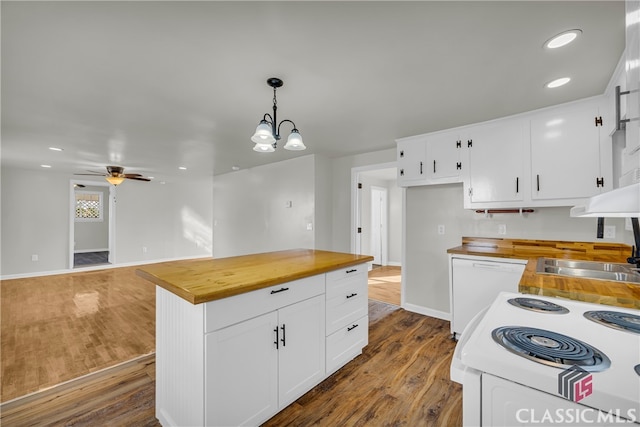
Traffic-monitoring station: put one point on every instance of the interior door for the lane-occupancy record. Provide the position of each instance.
(379, 225)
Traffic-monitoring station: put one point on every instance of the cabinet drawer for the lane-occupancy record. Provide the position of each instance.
(346, 343)
(342, 273)
(228, 311)
(350, 304)
(339, 281)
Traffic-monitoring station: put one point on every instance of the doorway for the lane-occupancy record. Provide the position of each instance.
(91, 224)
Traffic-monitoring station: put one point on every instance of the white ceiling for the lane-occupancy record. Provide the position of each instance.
(156, 85)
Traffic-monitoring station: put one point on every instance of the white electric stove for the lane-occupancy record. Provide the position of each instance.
(532, 360)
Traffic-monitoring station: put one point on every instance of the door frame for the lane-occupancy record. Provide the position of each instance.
(112, 217)
(356, 202)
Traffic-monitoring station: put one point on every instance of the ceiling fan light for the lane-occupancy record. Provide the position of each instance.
(264, 148)
(294, 142)
(263, 134)
(115, 180)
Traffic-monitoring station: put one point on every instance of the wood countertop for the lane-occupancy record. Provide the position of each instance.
(203, 280)
(621, 294)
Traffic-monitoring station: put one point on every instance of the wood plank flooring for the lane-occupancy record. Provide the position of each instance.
(384, 284)
(402, 378)
(56, 328)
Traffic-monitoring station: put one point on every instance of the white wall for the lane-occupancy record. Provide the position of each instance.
(167, 219)
(251, 212)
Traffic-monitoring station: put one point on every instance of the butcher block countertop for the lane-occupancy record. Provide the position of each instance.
(621, 294)
(203, 280)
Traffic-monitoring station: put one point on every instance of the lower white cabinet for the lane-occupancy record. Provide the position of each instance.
(265, 363)
(240, 360)
(347, 319)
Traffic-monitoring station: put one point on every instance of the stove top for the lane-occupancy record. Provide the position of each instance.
(616, 320)
(550, 348)
(540, 305)
(611, 354)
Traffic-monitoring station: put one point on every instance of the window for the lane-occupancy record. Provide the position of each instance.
(89, 206)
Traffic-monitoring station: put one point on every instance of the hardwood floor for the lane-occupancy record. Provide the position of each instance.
(402, 378)
(56, 328)
(384, 284)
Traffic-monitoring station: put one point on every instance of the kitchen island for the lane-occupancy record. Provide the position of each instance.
(240, 338)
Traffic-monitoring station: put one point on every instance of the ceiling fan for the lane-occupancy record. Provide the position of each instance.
(115, 175)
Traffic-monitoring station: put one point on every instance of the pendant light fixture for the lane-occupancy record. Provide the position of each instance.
(267, 133)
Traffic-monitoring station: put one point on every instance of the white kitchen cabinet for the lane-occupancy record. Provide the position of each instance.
(476, 281)
(411, 162)
(347, 315)
(243, 358)
(631, 101)
(497, 175)
(444, 164)
(265, 363)
(566, 153)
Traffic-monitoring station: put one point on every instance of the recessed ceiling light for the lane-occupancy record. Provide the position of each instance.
(56, 149)
(45, 166)
(182, 168)
(562, 39)
(558, 82)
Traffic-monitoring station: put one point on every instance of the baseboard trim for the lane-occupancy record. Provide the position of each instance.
(86, 251)
(96, 267)
(427, 311)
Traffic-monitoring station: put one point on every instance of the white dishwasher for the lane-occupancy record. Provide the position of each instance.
(475, 282)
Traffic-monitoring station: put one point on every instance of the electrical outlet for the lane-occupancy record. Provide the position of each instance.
(440, 229)
(34, 257)
(144, 249)
(502, 228)
(609, 231)
(309, 227)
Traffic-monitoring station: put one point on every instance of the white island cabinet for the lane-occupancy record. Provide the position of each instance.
(240, 359)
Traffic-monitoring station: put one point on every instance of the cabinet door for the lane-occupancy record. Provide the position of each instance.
(632, 100)
(565, 153)
(443, 157)
(301, 363)
(496, 162)
(411, 163)
(241, 372)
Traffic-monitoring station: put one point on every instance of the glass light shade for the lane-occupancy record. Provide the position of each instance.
(264, 134)
(115, 180)
(264, 148)
(294, 142)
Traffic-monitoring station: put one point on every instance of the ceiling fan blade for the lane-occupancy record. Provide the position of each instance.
(91, 174)
(138, 178)
(132, 175)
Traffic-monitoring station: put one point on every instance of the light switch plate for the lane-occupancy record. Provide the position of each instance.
(609, 231)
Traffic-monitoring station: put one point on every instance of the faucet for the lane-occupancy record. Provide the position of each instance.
(635, 250)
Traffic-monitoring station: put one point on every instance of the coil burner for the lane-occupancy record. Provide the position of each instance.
(550, 348)
(616, 320)
(538, 305)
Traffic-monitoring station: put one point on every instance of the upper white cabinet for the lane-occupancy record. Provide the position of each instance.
(631, 158)
(412, 158)
(566, 156)
(496, 165)
(444, 163)
(429, 159)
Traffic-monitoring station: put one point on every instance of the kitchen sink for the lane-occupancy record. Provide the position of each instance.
(589, 269)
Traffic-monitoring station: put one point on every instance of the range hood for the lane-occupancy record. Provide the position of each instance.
(621, 202)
